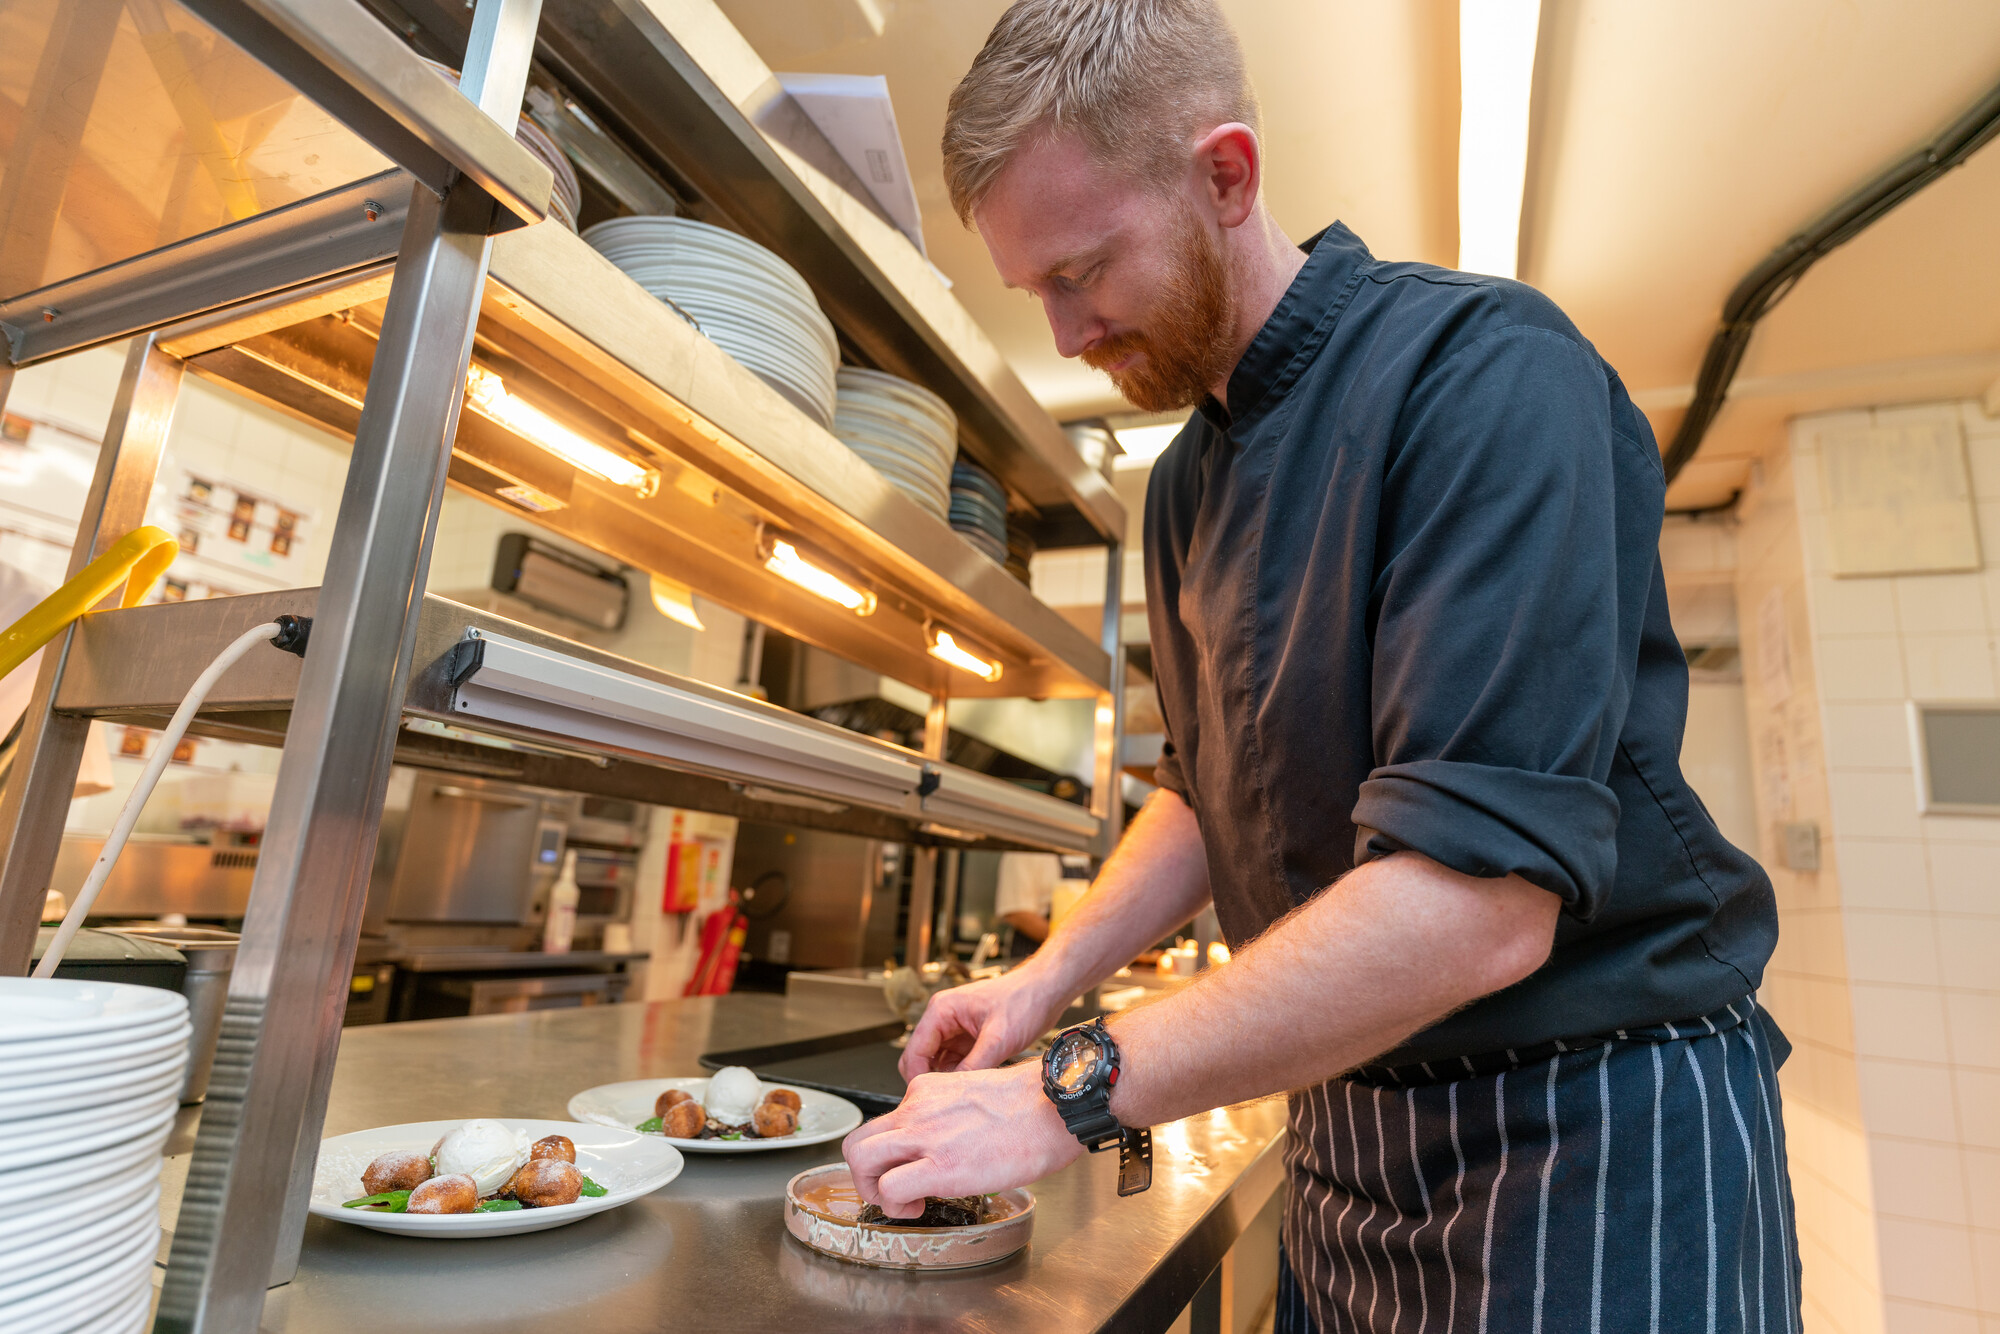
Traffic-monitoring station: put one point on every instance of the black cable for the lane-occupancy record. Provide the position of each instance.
(1767, 284)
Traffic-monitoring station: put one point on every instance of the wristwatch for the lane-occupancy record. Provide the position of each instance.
(1078, 1073)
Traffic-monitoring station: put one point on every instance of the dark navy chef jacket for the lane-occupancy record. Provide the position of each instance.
(1405, 594)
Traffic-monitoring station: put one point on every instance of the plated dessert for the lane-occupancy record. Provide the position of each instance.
(736, 1105)
(733, 1112)
(478, 1167)
(825, 1212)
(485, 1177)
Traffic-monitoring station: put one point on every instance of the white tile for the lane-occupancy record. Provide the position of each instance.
(1921, 1181)
(1946, 667)
(1874, 805)
(1906, 1023)
(1860, 667)
(1909, 1317)
(1926, 1262)
(1969, 953)
(1896, 948)
(1962, 828)
(1914, 1101)
(1974, 1020)
(1986, 1273)
(1982, 455)
(1852, 606)
(1982, 1185)
(1965, 877)
(1868, 736)
(1916, 414)
(1978, 1106)
(1936, 604)
(1882, 873)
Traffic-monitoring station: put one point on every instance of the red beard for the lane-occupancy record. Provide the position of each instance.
(1189, 342)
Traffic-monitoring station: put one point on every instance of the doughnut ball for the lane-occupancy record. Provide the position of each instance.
(784, 1098)
(544, 1182)
(399, 1169)
(553, 1146)
(455, 1194)
(684, 1120)
(774, 1119)
(670, 1099)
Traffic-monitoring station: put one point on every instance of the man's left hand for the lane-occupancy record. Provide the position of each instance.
(967, 1132)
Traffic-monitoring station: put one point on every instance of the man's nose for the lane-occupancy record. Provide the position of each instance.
(1074, 331)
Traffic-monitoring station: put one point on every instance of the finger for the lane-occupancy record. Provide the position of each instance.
(868, 1160)
(868, 1130)
(902, 1189)
(994, 1046)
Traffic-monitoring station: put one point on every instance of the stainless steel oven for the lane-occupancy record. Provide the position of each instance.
(476, 851)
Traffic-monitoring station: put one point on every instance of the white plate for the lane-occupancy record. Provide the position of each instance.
(166, 1022)
(71, 1245)
(822, 1116)
(28, 1191)
(129, 1317)
(87, 1063)
(85, 1297)
(114, 1126)
(51, 1007)
(88, 1201)
(625, 1163)
(32, 1103)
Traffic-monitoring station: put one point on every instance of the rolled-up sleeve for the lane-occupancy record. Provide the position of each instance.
(1501, 664)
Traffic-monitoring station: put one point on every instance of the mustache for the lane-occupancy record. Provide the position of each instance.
(1114, 350)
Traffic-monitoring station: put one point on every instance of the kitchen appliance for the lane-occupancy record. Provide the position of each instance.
(476, 851)
(816, 899)
(211, 957)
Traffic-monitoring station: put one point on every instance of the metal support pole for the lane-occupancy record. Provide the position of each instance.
(35, 800)
(924, 861)
(1205, 1311)
(243, 1216)
(1107, 796)
(949, 871)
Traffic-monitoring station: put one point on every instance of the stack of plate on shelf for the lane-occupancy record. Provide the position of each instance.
(750, 303)
(907, 433)
(1020, 549)
(979, 509)
(567, 196)
(90, 1077)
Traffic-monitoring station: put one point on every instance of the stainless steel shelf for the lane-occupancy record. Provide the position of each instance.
(671, 740)
(680, 86)
(574, 335)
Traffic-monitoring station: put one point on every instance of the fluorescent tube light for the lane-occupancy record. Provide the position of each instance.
(1143, 444)
(1496, 62)
(785, 561)
(675, 601)
(486, 394)
(946, 649)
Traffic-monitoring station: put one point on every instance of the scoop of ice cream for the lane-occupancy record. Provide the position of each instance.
(733, 1095)
(486, 1151)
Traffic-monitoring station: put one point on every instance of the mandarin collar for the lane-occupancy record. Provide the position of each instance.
(1301, 319)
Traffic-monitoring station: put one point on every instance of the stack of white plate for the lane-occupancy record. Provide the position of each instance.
(567, 197)
(90, 1077)
(906, 432)
(750, 303)
(978, 510)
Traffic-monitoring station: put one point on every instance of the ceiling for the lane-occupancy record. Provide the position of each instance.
(1672, 148)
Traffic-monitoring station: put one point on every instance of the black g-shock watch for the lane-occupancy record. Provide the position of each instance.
(1078, 1073)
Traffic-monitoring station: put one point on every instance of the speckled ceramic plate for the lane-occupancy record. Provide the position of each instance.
(824, 1225)
(822, 1116)
(626, 1164)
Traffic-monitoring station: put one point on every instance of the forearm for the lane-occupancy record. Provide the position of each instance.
(1156, 881)
(1390, 949)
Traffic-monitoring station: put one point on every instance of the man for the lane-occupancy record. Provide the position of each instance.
(1425, 706)
(1025, 894)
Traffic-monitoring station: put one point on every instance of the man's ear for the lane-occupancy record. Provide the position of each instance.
(1229, 169)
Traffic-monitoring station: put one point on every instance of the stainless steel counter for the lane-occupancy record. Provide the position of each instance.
(710, 1251)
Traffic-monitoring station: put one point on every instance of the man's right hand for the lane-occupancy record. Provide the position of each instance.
(981, 1024)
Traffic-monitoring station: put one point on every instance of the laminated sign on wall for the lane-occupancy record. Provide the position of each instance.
(1899, 500)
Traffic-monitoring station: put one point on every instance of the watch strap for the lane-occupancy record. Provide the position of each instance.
(1092, 1123)
(1135, 1161)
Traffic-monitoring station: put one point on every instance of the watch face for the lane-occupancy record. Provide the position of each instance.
(1075, 1057)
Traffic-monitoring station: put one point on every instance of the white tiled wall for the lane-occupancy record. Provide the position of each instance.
(1889, 970)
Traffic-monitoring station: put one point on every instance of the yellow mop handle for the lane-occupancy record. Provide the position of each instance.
(143, 554)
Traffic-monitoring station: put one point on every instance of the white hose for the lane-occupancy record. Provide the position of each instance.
(121, 830)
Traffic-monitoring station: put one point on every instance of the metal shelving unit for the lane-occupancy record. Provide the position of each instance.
(357, 306)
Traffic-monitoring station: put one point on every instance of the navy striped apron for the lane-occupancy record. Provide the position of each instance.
(1635, 1182)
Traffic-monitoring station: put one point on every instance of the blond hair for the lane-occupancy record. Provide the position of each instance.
(1136, 80)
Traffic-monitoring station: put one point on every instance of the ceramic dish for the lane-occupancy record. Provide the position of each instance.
(106, 1059)
(87, 1293)
(30, 1101)
(43, 1188)
(819, 1205)
(33, 1009)
(119, 1125)
(626, 1163)
(96, 1199)
(71, 1253)
(822, 1116)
